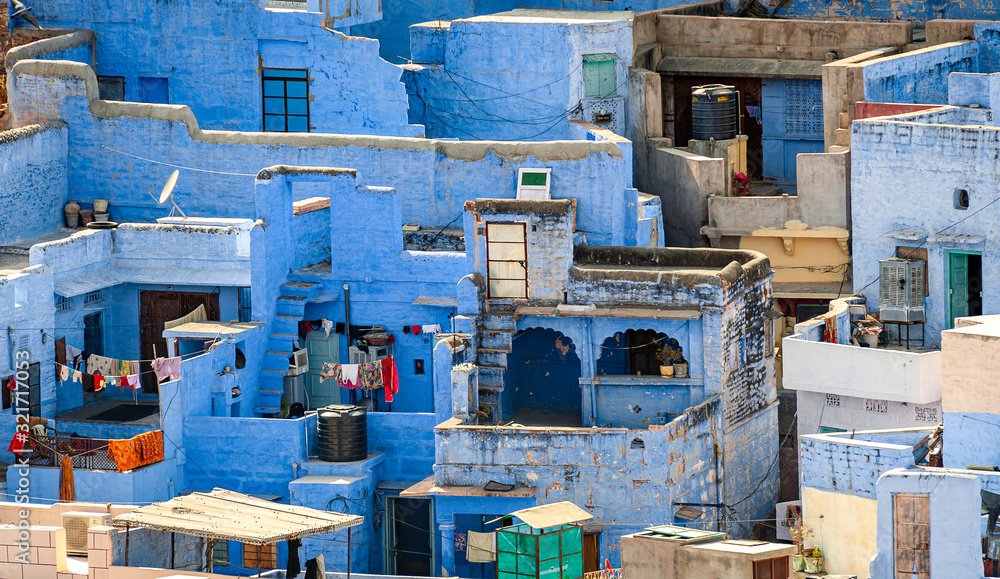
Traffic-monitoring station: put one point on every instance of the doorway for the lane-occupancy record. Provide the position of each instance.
(321, 349)
(157, 307)
(507, 260)
(965, 285)
(542, 379)
(409, 548)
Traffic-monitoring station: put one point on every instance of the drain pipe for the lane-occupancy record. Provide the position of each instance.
(592, 368)
(347, 326)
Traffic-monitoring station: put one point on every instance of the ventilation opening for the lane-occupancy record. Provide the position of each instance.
(961, 199)
(638, 444)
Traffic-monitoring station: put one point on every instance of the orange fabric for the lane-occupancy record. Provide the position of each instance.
(146, 448)
(67, 488)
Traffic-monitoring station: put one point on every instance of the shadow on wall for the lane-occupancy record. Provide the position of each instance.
(543, 371)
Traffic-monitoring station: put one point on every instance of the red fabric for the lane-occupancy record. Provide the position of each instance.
(10, 383)
(390, 377)
(18, 443)
(99, 382)
(415, 330)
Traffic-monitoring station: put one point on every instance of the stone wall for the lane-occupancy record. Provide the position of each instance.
(837, 462)
(33, 164)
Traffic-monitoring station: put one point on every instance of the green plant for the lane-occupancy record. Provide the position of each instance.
(667, 355)
(800, 532)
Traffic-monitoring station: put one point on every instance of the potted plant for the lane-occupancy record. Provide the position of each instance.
(680, 366)
(814, 561)
(799, 532)
(868, 331)
(667, 356)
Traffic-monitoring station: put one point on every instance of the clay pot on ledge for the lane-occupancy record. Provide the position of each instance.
(667, 371)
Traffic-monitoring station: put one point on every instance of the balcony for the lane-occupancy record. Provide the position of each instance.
(898, 375)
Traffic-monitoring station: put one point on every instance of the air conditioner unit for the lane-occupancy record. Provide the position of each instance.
(76, 524)
(901, 290)
(298, 362)
(534, 184)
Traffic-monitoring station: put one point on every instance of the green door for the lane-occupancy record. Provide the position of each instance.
(958, 286)
(322, 349)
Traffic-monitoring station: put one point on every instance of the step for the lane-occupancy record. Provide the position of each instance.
(286, 324)
(493, 350)
(506, 323)
(291, 307)
(842, 137)
(303, 289)
(277, 361)
(282, 341)
(844, 120)
(491, 358)
(271, 392)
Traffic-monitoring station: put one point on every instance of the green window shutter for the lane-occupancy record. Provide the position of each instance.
(534, 179)
(599, 75)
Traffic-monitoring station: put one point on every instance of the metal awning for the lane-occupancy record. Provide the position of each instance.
(553, 515)
(228, 515)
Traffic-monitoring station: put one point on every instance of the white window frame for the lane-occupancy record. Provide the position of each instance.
(534, 192)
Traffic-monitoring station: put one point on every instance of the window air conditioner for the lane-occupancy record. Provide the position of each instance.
(298, 362)
(76, 524)
(534, 184)
(901, 290)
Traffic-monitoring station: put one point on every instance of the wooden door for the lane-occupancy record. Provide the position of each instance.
(322, 349)
(507, 260)
(591, 552)
(157, 307)
(912, 536)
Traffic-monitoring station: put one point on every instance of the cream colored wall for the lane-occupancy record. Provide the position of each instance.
(970, 369)
(844, 527)
(817, 252)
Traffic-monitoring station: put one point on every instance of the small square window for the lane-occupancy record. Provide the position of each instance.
(220, 553)
(111, 88)
(961, 199)
(418, 367)
(92, 297)
(285, 94)
(63, 304)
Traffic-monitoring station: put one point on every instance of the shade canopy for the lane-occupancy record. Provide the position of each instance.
(552, 515)
(227, 515)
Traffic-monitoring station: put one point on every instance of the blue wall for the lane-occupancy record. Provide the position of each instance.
(33, 165)
(918, 77)
(208, 54)
(542, 376)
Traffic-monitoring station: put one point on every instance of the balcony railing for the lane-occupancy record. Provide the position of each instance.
(87, 453)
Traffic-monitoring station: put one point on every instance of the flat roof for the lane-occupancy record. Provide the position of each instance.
(542, 16)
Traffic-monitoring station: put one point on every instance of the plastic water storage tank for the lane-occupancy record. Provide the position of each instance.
(343, 433)
(714, 112)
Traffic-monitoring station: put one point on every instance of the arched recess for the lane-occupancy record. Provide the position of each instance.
(543, 374)
(633, 352)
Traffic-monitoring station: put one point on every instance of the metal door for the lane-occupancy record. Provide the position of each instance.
(322, 349)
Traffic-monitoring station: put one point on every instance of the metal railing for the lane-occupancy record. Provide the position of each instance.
(604, 574)
(87, 453)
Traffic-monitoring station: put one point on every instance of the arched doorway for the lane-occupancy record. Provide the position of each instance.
(542, 380)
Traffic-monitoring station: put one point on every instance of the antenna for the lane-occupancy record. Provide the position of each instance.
(168, 195)
(22, 11)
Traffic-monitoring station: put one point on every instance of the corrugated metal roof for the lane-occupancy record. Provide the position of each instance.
(223, 514)
(553, 515)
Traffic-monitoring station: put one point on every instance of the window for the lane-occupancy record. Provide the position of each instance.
(830, 430)
(418, 367)
(776, 568)
(286, 100)
(220, 554)
(599, 76)
(961, 199)
(245, 310)
(507, 260)
(93, 297)
(533, 184)
(111, 88)
(63, 304)
(154, 89)
(260, 556)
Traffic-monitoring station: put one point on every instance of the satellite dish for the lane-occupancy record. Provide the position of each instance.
(168, 194)
(20, 10)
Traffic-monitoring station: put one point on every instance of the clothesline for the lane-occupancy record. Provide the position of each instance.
(187, 355)
(381, 373)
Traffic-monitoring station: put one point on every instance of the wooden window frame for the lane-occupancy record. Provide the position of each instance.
(489, 278)
(260, 556)
(778, 566)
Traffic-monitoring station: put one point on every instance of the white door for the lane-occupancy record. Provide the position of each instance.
(507, 260)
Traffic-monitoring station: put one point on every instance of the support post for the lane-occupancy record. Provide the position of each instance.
(348, 553)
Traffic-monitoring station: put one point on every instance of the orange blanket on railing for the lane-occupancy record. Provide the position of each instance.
(146, 448)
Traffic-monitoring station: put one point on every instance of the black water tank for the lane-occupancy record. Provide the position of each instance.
(714, 112)
(343, 433)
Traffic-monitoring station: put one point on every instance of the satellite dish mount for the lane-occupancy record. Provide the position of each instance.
(168, 195)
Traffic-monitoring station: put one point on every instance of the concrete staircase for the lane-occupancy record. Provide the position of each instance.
(292, 301)
(496, 333)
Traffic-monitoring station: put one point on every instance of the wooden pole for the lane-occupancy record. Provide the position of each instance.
(348, 553)
(172, 536)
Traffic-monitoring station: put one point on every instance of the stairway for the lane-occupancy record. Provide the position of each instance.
(496, 333)
(292, 299)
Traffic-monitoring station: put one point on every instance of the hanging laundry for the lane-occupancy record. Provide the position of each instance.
(77, 376)
(294, 567)
(132, 381)
(197, 315)
(316, 568)
(415, 330)
(61, 351)
(340, 328)
(431, 328)
(349, 375)
(390, 377)
(18, 443)
(63, 373)
(10, 384)
(74, 356)
(327, 326)
(5, 396)
(99, 381)
(481, 547)
(67, 488)
(97, 364)
(371, 376)
(88, 382)
(167, 368)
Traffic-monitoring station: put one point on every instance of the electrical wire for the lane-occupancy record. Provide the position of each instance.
(174, 166)
(777, 455)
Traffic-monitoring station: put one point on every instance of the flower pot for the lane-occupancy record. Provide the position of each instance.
(101, 216)
(814, 564)
(681, 370)
(100, 205)
(870, 339)
(798, 562)
(72, 219)
(667, 371)
(86, 216)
